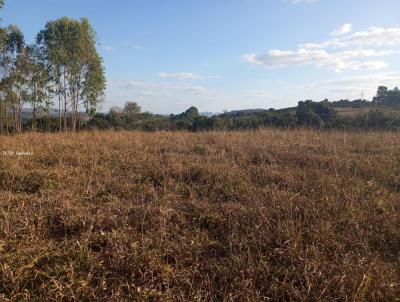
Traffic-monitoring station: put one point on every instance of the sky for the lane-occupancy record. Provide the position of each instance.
(168, 55)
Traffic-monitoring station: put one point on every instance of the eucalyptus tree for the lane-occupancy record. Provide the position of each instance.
(11, 93)
(37, 80)
(69, 47)
(92, 93)
(19, 81)
(53, 43)
(11, 46)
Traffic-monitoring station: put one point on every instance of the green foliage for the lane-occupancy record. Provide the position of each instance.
(191, 113)
(63, 64)
(316, 115)
(38, 88)
(69, 49)
(13, 78)
(132, 108)
(14, 40)
(351, 104)
(308, 114)
(384, 96)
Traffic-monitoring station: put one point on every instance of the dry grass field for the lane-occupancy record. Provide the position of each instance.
(241, 216)
(353, 112)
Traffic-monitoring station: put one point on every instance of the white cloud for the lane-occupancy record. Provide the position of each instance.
(122, 45)
(337, 61)
(258, 94)
(146, 93)
(185, 76)
(345, 29)
(373, 36)
(108, 48)
(390, 79)
(326, 54)
(213, 77)
(180, 76)
(340, 66)
(282, 58)
(145, 87)
(140, 84)
(302, 1)
(377, 36)
(350, 87)
(334, 43)
(191, 89)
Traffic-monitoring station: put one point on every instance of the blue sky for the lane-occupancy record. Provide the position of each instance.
(232, 54)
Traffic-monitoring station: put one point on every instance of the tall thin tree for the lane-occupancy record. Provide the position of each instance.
(69, 47)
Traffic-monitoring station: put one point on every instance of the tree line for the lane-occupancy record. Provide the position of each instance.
(308, 114)
(61, 69)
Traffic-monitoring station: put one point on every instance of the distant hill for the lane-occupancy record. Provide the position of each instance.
(26, 113)
(258, 111)
(350, 110)
(246, 112)
(208, 114)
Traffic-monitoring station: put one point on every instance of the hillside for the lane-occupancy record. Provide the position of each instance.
(352, 111)
(217, 216)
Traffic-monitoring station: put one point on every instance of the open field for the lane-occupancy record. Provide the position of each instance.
(352, 112)
(239, 216)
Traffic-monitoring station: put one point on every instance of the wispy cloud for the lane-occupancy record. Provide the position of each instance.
(128, 44)
(352, 86)
(337, 61)
(378, 36)
(327, 55)
(131, 44)
(108, 48)
(185, 76)
(390, 79)
(372, 36)
(258, 94)
(180, 75)
(140, 84)
(149, 86)
(345, 29)
(191, 89)
(302, 1)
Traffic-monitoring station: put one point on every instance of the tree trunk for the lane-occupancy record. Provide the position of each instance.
(6, 115)
(76, 106)
(1, 119)
(59, 112)
(20, 118)
(65, 115)
(19, 109)
(65, 105)
(34, 116)
(34, 110)
(74, 101)
(14, 118)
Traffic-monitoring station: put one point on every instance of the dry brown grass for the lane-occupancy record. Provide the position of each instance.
(241, 216)
(353, 112)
